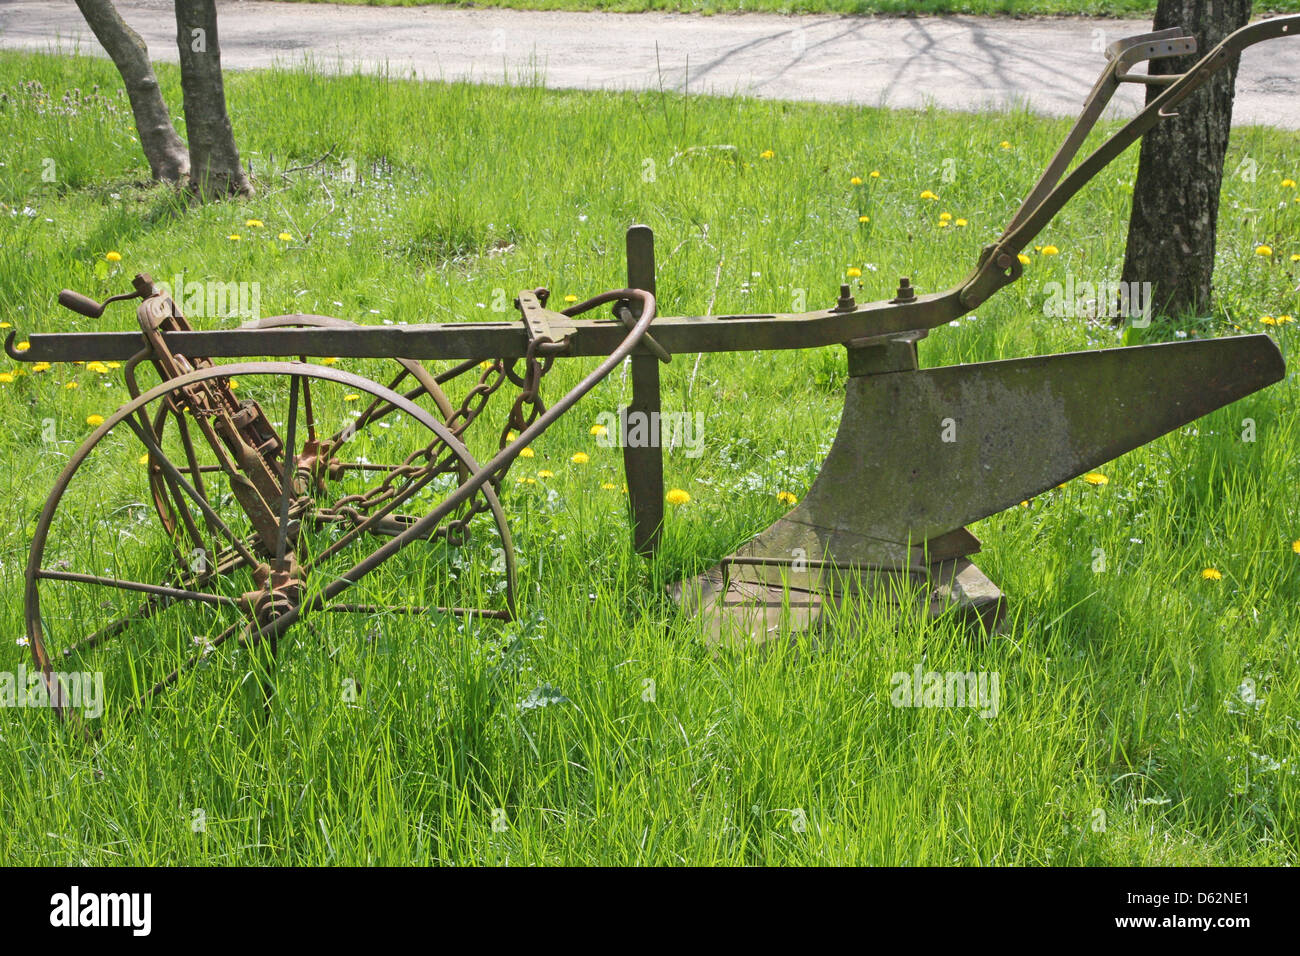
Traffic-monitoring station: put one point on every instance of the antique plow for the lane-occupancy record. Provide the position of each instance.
(269, 504)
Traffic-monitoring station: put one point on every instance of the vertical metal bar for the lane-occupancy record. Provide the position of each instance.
(643, 466)
(290, 453)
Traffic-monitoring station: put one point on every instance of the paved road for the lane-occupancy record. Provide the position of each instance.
(955, 62)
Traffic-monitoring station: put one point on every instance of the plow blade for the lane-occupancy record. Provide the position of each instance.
(921, 453)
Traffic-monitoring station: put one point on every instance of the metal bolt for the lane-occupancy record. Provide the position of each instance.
(846, 301)
(905, 291)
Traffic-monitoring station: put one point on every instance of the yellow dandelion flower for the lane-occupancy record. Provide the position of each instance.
(962, 222)
(71, 385)
(1212, 574)
(1004, 145)
(234, 384)
(97, 367)
(94, 421)
(143, 459)
(570, 298)
(233, 237)
(1295, 546)
(945, 216)
(766, 154)
(1267, 320)
(113, 256)
(599, 430)
(4, 325)
(926, 194)
(1295, 257)
(1096, 478)
(944, 224)
(855, 181)
(864, 219)
(853, 272)
(546, 473)
(254, 223)
(786, 498)
(112, 365)
(1284, 319)
(526, 453)
(23, 346)
(285, 237)
(329, 361)
(581, 458)
(1024, 504)
(1050, 250)
(41, 367)
(1264, 251)
(1288, 184)
(1024, 259)
(608, 486)
(526, 481)
(874, 174)
(6, 378)
(351, 397)
(677, 497)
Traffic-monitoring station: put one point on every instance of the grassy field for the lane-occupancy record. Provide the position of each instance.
(1148, 713)
(1013, 8)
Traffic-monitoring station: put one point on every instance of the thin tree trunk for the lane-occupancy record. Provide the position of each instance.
(1171, 235)
(168, 159)
(215, 170)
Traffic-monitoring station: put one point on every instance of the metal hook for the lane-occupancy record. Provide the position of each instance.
(12, 352)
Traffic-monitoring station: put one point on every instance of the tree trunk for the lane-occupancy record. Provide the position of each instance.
(168, 159)
(215, 170)
(1171, 233)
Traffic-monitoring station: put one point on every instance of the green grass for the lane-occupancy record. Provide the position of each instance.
(1120, 690)
(1014, 8)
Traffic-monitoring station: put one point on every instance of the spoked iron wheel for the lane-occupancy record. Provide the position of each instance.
(160, 542)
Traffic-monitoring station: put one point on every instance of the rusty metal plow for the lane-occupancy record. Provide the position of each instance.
(269, 504)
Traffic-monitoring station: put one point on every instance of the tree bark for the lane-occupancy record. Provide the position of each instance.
(163, 149)
(1171, 235)
(215, 170)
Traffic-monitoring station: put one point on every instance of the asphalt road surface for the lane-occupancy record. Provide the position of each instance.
(955, 62)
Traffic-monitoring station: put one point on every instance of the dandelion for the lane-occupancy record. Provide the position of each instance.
(1284, 319)
(1295, 257)
(766, 154)
(1212, 574)
(944, 224)
(23, 346)
(526, 453)
(71, 385)
(855, 181)
(874, 174)
(599, 431)
(961, 222)
(143, 459)
(1024, 504)
(677, 497)
(254, 223)
(526, 481)
(853, 272)
(233, 237)
(41, 367)
(1267, 320)
(351, 397)
(1295, 546)
(329, 361)
(546, 473)
(94, 421)
(234, 384)
(1050, 250)
(1024, 259)
(1096, 478)
(786, 498)
(1004, 145)
(1288, 184)
(285, 237)
(4, 325)
(868, 219)
(570, 298)
(581, 458)
(98, 367)
(945, 216)
(112, 365)
(6, 378)
(926, 194)
(1264, 251)
(608, 486)
(113, 256)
